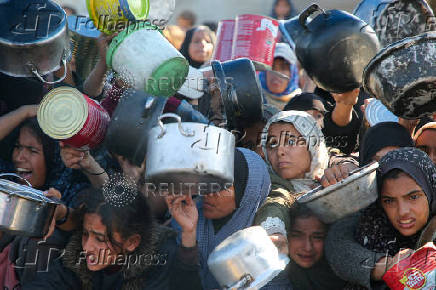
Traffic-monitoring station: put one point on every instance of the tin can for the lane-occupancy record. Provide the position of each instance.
(223, 48)
(68, 115)
(255, 37)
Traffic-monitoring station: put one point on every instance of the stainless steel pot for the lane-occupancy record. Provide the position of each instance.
(189, 157)
(33, 39)
(348, 196)
(248, 259)
(23, 210)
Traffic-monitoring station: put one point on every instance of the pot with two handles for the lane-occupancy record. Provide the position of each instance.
(334, 47)
(33, 40)
(189, 157)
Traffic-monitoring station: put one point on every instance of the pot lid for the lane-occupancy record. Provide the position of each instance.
(30, 21)
(25, 191)
(376, 112)
(62, 113)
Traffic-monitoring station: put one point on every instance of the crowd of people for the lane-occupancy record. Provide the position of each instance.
(164, 241)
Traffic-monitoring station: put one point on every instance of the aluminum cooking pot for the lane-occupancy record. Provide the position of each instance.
(394, 20)
(136, 113)
(240, 91)
(189, 157)
(403, 76)
(348, 196)
(33, 39)
(23, 210)
(248, 259)
(334, 47)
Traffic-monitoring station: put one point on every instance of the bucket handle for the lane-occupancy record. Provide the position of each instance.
(186, 133)
(16, 175)
(34, 70)
(307, 12)
(242, 283)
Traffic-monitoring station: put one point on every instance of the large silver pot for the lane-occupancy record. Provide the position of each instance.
(33, 39)
(23, 210)
(189, 157)
(348, 196)
(248, 259)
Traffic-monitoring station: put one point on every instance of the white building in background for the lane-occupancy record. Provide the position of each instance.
(208, 10)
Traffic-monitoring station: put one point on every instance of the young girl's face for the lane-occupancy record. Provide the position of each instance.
(405, 204)
(100, 252)
(306, 241)
(28, 158)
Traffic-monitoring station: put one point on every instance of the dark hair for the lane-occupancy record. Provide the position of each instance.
(188, 15)
(134, 218)
(392, 174)
(48, 144)
(301, 211)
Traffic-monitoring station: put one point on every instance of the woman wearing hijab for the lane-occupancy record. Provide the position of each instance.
(294, 149)
(277, 90)
(225, 212)
(406, 180)
(283, 10)
(198, 46)
(382, 138)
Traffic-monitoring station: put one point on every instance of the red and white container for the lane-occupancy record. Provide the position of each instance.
(224, 43)
(255, 37)
(68, 115)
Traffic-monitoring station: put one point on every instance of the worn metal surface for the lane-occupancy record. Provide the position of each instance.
(394, 20)
(345, 197)
(403, 76)
(248, 253)
(190, 157)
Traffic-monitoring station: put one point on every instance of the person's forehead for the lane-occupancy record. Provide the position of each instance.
(27, 137)
(427, 137)
(308, 225)
(278, 128)
(400, 186)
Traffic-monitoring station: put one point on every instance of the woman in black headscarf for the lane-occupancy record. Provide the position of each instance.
(283, 10)
(382, 138)
(198, 45)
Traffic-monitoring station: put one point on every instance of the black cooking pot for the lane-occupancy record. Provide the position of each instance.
(131, 121)
(334, 47)
(394, 20)
(240, 91)
(403, 76)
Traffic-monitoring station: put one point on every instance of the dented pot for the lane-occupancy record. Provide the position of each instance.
(403, 76)
(189, 157)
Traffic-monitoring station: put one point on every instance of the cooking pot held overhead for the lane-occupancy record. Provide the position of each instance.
(334, 47)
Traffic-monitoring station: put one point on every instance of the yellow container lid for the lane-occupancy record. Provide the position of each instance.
(62, 113)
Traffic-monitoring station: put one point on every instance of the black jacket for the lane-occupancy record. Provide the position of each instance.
(167, 266)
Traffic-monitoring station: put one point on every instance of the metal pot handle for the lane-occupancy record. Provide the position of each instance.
(16, 175)
(186, 133)
(307, 12)
(243, 283)
(36, 73)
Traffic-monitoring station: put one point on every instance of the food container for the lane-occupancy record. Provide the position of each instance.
(248, 259)
(34, 45)
(23, 210)
(190, 157)
(146, 58)
(348, 196)
(68, 115)
(403, 76)
(109, 15)
(255, 37)
(224, 42)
